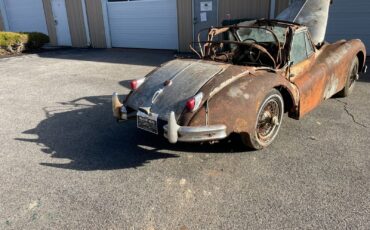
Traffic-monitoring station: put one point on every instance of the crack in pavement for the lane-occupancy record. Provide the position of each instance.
(350, 114)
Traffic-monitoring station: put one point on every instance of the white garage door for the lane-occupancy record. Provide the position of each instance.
(26, 16)
(148, 24)
(349, 19)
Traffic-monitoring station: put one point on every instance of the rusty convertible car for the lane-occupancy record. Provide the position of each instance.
(247, 76)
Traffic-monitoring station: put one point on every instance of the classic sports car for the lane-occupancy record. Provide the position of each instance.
(247, 76)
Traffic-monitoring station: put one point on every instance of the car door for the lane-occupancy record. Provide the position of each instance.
(305, 73)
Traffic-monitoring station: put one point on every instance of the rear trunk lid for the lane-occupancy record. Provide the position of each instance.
(186, 76)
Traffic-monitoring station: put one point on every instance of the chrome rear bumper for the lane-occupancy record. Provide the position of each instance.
(175, 133)
(172, 131)
(119, 110)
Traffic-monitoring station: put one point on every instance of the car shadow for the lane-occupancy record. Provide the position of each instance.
(126, 84)
(365, 77)
(84, 132)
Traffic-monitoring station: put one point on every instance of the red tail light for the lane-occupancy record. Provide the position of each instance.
(194, 103)
(135, 84)
(190, 104)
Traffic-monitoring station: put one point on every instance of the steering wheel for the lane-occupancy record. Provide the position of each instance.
(254, 53)
(250, 39)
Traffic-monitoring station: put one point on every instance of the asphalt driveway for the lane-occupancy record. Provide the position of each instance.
(66, 164)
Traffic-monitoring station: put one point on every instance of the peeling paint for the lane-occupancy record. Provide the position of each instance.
(331, 87)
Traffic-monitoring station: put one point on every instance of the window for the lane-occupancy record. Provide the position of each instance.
(298, 51)
(309, 46)
(262, 34)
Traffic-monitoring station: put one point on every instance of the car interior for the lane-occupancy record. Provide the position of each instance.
(257, 44)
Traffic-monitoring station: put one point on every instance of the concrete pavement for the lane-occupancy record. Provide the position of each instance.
(66, 164)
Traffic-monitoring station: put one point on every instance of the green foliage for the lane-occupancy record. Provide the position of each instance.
(10, 39)
(36, 40)
(33, 40)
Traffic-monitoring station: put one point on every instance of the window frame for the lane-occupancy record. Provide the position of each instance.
(306, 36)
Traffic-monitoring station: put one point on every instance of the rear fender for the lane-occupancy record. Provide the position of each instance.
(237, 104)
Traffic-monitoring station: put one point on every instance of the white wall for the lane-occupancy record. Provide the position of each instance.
(348, 20)
(25, 16)
(144, 24)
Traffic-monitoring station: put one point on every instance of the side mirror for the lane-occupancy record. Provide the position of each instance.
(290, 63)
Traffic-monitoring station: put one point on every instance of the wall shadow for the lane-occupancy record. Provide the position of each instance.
(143, 57)
(84, 133)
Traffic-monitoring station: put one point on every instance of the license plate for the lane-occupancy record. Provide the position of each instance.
(147, 122)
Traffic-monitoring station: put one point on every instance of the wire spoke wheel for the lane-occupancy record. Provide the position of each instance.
(354, 74)
(268, 121)
(352, 77)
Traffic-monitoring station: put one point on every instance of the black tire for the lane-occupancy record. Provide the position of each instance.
(351, 79)
(268, 122)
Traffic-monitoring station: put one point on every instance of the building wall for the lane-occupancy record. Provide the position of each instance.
(1, 23)
(185, 24)
(76, 23)
(50, 22)
(238, 9)
(96, 23)
(281, 5)
(234, 8)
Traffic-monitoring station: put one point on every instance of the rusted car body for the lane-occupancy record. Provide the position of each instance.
(246, 77)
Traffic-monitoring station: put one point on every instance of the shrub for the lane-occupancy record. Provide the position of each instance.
(11, 39)
(36, 40)
(17, 42)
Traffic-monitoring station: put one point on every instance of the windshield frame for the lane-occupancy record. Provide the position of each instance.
(237, 35)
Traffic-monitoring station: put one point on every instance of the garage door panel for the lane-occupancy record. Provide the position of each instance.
(344, 6)
(336, 37)
(347, 20)
(26, 16)
(144, 24)
(346, 25)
